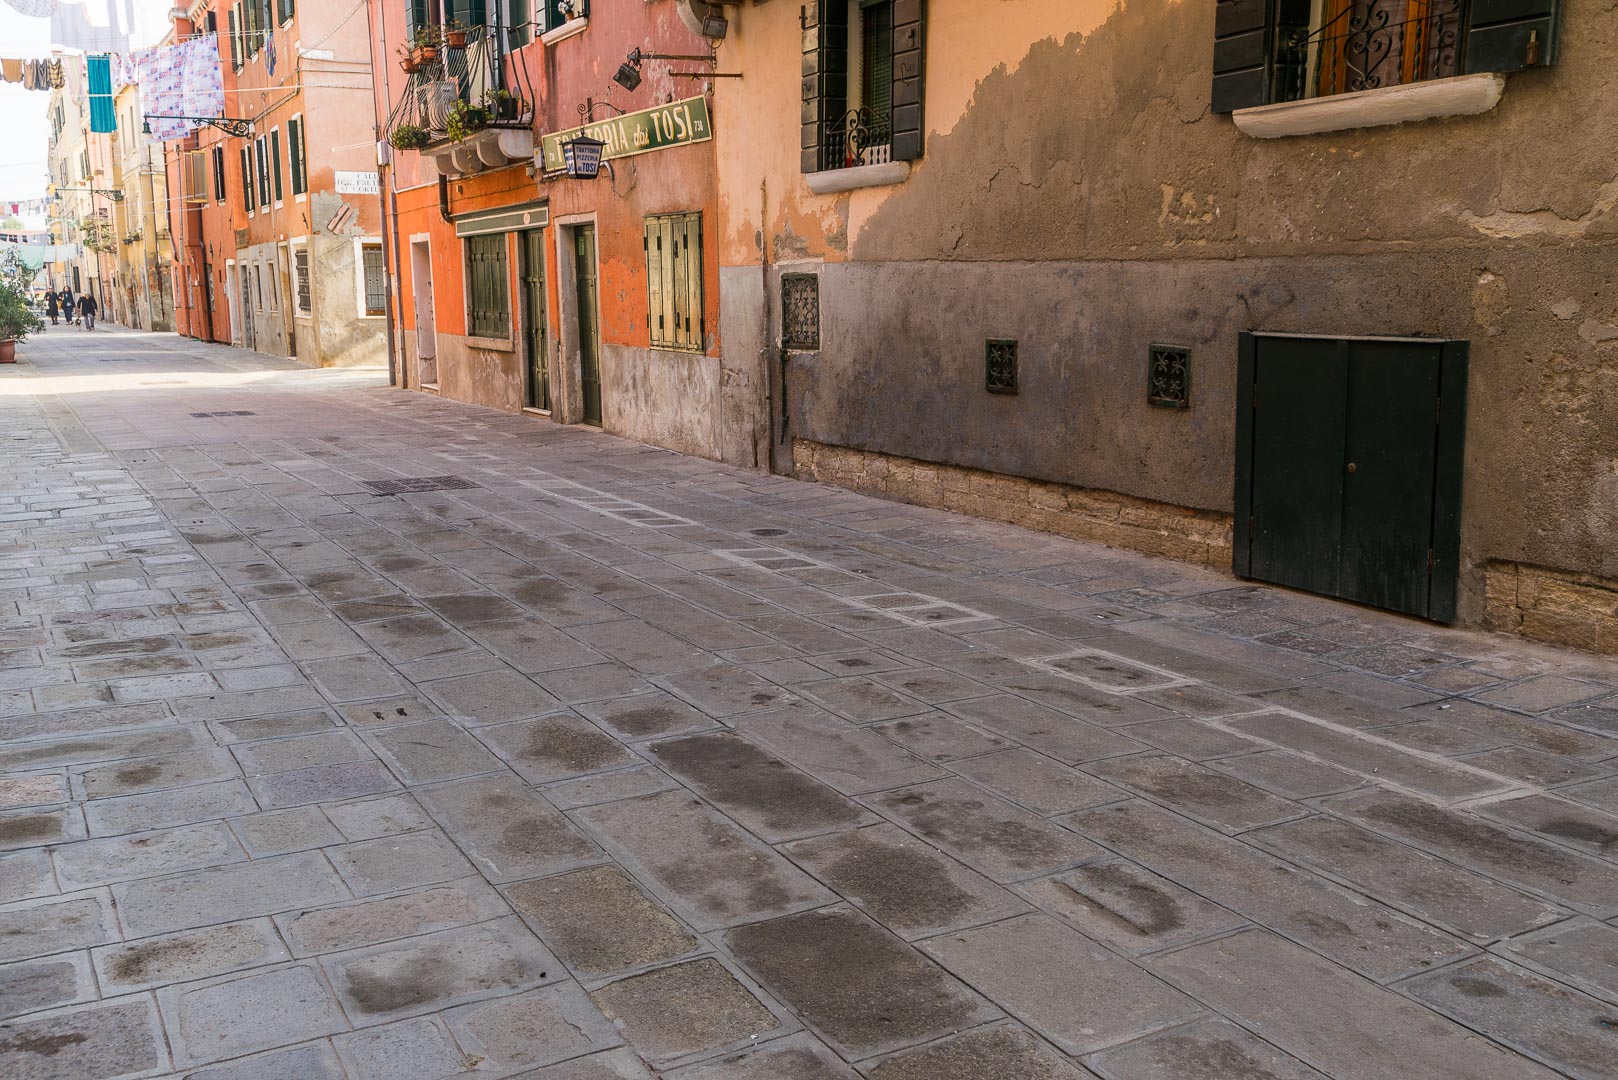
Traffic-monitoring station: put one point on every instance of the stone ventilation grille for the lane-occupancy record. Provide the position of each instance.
(1000, 367)
(1169, 377)
(418, 483)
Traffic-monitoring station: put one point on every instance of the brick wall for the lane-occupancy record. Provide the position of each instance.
(1174, 532)
(1551, 605)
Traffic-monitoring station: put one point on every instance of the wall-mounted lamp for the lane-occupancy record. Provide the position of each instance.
(230, 125)
(629, 76)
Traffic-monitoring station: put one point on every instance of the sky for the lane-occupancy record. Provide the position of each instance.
(24, 130)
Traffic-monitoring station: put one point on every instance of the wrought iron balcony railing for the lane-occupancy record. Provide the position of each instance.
(859, 138)
(460, 90)
(1366, 44)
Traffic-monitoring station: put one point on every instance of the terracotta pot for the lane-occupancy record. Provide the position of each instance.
(455, 39)
(8, 352)
(408, 63)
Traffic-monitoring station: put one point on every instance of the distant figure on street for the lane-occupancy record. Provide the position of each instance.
(87, 309)
(70, 311)
(51, 307)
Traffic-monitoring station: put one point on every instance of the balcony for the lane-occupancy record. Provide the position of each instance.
(456, 109)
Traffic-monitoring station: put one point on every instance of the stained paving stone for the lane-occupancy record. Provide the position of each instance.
(1580, 952)
(1004, 1052)
(862, 989)
(851, 759)
(1326, 1016)
(909, 887)
(1064, 986)
(25, 874)
(187, 955)
(1063, 737)
(239, 1014)
(392, 863)
(32, 790)
(1127, 906)
(1575, 879)
(1098, 707)
(608, 787)
(1362, 935)
(762, 792)
(395, 710)
(56, 923)
(280, 832)
(1040, 784)
(313, 1062)
(599, 921)
(508, 829)
(1543, 693)
(1558, 819)
(120, 858)
(541, 1027)
(35, 985)
(592, 683)
(1511, 727)
(371, 922)
(490, 697)
(1197, 790)
(321, 783)
(1436, 891)
(170, 807)
(301, 752)
(1206, 1050)
(36, 827)
(272, 727)
(223, 893)
(435, 750)
(112, 1040)
(999, 839)
(51, 753)
(1289, 775)
(555, 747)
(1533, 767)
(937, 737)
(435, 971)
(418, 1047)
(726, 690)
(1199, 701)
(862, 700)
(677, 1012)
(645, 716)
(1561, 1027)
(1597, 716)
(709, 871)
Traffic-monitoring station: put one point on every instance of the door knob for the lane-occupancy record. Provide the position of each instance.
(1352, 468)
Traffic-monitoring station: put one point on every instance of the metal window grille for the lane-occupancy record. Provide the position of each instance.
(490, 291)
(800, 311)
(376, 284)
(300, 270)
(1000, 366)
(1169, 376)
(674, 311)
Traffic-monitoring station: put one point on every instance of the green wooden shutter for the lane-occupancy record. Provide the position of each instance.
(235, 40)
(295, 154)
(1259, 52)
(275, 157)
(674, 295)
(247, 180)
(1509, 35)
(825, 81)
(909, 42)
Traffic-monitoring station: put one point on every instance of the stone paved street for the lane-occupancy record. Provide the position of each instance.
(595, 762)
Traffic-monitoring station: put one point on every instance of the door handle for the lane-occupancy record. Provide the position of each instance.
(1352, 468)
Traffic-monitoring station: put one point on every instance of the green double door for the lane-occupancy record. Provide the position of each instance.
(538, 378)
(1348, 470)
(584, 275)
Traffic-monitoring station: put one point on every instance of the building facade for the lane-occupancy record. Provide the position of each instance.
(83, 190)
(143, 298)
(582, 301)
(272, 255)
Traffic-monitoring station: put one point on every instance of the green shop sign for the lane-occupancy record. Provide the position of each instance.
(674, 124)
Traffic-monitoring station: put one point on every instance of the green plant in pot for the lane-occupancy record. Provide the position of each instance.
(454, 35)
(17, 318)
(501, 105)
(466, 120)
(409, 137)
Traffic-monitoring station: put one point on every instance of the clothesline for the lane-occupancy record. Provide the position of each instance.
(33, 74)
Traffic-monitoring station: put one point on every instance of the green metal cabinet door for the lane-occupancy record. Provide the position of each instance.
(1348, 468)
(584, 272)
(533, 314)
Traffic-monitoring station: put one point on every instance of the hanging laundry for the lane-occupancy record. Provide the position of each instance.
(126, 68)
(98, 71)
(269, 50)
(34, 9)
(95, 26)
(11, 70)
(181, 80)
(56, 75)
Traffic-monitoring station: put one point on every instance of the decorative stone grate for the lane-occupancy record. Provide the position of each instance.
(418, 483)
(800, 311)
(1169, 377)
(1000, 366)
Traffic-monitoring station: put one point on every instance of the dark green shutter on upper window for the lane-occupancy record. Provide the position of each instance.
(275, 157)
(674, 304)
(284, 9)
(247, 180)
(825, 81)
(235, 40)
(1509, 35)
(1245, 36)
(295, 155)
(909, 47)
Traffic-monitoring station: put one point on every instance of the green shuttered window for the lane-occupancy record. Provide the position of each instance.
(295, 159)
(488, 286)
(674, 313)
(247, 180)
(862, 82)
(275, 159)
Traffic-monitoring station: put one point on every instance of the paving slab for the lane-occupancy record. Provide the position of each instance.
(507, 829)
(762, 792)
(240, 1014)
(187, 955)
(599, 921)
(402, 861)
(1580, 952)
(38, 826)
(119, 1039)
(685, 1010)
(30, 986)
(1004, 1052)
(555, 747)
(540, 1027)
(54, 924)
(316, 1061)
(121, 858)
(224, 893)
(851, 759)
(416, 1047)
(795, 1057)
(370, 922)
(1066, 738)
(1197, 791)
(1206, 1050)
(280, 832)
(1559, 820)
(1340, 1023)
(1038, 783)
(860, 988)
(1127, 906)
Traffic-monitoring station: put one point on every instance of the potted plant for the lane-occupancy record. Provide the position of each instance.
(454, 35)
(465, 120)
(500, 105)
(408, 63)
(409, 137)
(424, 49)
(17, 318)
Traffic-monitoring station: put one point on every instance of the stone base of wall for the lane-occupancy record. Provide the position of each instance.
(1175, 532)
(1556, 606)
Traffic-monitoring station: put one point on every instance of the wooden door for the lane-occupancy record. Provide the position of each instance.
(537, 368)
(584, 273)
(1349, 468)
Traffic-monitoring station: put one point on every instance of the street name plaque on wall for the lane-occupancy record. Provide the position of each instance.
(674, 124)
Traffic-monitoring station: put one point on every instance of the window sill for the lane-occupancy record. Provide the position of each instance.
(833, 181)
(1463, 95)
(430, 387)
(565, 31)
(531, 411)
(497, 344)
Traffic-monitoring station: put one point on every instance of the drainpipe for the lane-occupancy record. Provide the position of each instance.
(388, 206)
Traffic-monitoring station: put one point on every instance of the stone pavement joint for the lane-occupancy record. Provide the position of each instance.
(572, 759)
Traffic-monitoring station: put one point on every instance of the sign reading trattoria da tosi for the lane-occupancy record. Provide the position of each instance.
(674, 124)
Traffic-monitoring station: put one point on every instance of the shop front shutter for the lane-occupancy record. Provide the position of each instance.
(909, 79)
(825, 80)
(1510, 35)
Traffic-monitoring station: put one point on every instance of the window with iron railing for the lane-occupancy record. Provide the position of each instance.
(374, 279)
(300, 275)
(862, 83)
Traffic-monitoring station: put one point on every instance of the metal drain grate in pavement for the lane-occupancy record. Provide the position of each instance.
(226, 412)
(767, 532)
(418, 483)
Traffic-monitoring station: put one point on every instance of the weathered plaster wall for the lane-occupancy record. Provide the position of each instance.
(1082, 199)
(668, 399)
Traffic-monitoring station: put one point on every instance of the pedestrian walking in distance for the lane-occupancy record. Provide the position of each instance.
(51, 307)
(87, 309)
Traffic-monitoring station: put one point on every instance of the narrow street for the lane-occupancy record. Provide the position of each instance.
(348, 732)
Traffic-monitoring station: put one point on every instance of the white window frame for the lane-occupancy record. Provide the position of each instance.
(360, 244)
(294, 246)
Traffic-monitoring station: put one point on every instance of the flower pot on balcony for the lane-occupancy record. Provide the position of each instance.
(455, 39)
(408, 63)
(424, 54)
